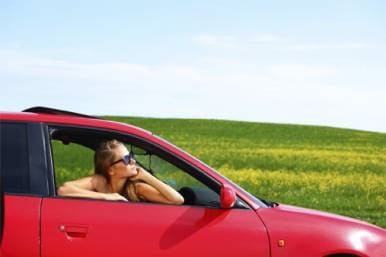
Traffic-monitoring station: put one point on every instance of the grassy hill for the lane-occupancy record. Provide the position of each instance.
(336, 170)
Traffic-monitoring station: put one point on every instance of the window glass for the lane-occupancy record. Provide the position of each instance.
(171, 174)
(14, 157)
(164, 170)
(193, 190)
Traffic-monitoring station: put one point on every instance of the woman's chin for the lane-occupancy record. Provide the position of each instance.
(132, 173)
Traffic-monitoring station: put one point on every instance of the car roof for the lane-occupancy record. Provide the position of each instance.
(49, 110)
(55, 116)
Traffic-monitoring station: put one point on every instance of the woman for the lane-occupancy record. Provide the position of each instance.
(117, 177)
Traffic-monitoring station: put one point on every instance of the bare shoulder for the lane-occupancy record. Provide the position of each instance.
(98, 178)
(98, 182)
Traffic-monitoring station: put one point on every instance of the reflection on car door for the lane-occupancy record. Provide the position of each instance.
(72, 227)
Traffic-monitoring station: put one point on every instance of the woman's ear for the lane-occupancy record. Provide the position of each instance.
(111, 172)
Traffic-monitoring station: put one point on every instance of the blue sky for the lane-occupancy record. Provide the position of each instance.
(303, 62)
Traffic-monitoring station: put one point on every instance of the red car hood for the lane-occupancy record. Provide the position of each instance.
(319, 214)
(320, 232)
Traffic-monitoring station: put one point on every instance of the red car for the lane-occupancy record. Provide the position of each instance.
(218, 218)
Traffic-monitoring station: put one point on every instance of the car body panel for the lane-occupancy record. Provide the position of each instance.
(21, 235)
(308, 233)
(103, 228)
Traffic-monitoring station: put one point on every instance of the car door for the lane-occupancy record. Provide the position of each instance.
(23, 169)
(72, 227)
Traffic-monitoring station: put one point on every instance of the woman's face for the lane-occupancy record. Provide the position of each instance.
(119, 169)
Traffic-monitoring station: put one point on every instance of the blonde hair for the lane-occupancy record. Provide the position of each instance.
(103, 158)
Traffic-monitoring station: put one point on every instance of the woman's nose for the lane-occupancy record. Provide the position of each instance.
(132, 161)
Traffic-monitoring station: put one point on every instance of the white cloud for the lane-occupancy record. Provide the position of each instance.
(271, 41)
(206, 40)
(212, 40)
(107, 71)
(300, 72)
(264, 38)
(228, 41)
(331, 46)
(290, 93)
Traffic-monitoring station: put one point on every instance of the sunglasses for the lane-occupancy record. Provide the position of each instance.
(126, 159)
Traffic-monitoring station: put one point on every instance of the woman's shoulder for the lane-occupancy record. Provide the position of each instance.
(98, 177)
(99, 182)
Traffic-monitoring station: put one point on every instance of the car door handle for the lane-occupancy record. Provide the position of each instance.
(78, 231)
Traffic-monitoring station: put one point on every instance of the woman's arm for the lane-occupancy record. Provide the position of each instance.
(154, 190)
(86, 187)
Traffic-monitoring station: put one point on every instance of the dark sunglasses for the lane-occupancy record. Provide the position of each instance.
(126, 159)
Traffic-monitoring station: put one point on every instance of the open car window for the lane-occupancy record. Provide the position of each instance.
(73, 152)
(71, 161)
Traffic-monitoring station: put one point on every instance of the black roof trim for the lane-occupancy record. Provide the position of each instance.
(47, 110)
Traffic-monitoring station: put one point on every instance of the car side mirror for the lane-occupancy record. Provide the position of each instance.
(227, 197)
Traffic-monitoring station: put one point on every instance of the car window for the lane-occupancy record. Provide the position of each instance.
(166, 171)
(14, 158)
(22, 158)
(194, 191)
(73, 161)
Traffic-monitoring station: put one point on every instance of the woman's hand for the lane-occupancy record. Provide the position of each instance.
(142, 175)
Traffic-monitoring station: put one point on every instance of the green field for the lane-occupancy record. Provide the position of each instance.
(336, 170)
